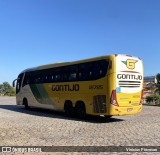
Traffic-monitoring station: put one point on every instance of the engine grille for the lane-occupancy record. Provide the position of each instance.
(99, 104)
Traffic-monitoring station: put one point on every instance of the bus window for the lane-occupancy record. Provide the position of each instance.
(93, 70)
(50, 77)
(102, 68)
(27, 79)
(82, 72)
(37, 78)
(45, 74)
(72, 76)
(57, 75)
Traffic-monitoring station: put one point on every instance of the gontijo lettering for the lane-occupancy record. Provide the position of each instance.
(129, 76)
(74, 87)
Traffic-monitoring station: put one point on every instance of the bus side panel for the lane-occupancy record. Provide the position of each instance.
(36, 96)
(86, 92)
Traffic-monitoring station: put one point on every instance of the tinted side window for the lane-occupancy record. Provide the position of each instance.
(64, 74)
(58, 75)
(79, 72)
(87, 71)
(102, 68)
(27, 79)
(37, 77)
(93, 70)
(49, 76)
(73, 73)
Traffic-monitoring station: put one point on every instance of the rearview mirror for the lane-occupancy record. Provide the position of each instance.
(13, 84)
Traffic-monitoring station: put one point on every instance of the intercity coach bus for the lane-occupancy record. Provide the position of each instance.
(107, 85)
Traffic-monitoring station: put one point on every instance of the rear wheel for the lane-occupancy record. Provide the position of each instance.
(68, 108)
(25, 103)
(80, 110)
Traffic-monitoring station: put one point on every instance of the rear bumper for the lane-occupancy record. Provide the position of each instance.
(125, 110)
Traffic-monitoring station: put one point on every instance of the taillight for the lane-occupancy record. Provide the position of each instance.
(141, 100)
(113, 99)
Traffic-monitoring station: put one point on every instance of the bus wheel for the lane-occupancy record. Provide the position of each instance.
(80, 110)
(68, 108)
(25, 103)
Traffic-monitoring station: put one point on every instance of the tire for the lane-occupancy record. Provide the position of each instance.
(80, 110)
(25, 103)
(68, 108)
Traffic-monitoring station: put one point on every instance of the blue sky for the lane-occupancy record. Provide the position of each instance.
(36, 32)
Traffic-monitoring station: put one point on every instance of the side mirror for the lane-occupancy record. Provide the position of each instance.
(13, 84)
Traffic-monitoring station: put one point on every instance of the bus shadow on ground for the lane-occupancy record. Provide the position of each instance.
(59, 115)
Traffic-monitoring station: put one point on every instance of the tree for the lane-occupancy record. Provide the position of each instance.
(13, 92)
(149, 99)
(154, 88)
(7, 89)
(153, 98)
(1, 86)
(157, 83)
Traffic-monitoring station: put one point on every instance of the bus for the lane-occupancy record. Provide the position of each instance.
(109, 85)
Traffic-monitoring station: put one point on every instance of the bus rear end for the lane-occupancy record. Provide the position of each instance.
(126, 96)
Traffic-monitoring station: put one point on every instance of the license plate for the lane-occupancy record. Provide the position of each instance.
(129, 109)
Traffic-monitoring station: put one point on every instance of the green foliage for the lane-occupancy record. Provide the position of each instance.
(158, 83)
(7, 90)
(13, 92)
(153, 98)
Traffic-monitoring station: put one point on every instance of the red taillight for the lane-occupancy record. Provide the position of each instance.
(141, 100)
(114, 98)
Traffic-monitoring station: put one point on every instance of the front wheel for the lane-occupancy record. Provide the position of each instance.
(25, 103)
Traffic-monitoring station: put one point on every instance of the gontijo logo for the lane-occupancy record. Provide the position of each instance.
(130, 63)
